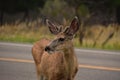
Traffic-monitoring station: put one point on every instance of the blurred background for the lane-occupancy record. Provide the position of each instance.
(24, 21)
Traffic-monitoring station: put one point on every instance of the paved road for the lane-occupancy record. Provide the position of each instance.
(16, 63)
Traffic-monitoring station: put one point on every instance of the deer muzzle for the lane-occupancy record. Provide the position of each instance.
(49, 49)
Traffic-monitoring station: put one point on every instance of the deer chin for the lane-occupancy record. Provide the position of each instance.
(54, 51)
(51, 51)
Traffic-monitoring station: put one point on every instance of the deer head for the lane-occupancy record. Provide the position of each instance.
(63, 39)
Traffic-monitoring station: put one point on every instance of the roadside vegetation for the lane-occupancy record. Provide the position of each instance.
(94, 37)
(24, 21)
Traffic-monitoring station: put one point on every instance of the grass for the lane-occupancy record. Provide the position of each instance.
(21, 33)
(12, 33)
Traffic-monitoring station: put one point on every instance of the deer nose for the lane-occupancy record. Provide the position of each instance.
(47, 48)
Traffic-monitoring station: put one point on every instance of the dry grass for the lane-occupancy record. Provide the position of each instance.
(93, 32)
(23, 34)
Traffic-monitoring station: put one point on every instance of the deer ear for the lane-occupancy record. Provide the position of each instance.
(53, 28)
(74, 27)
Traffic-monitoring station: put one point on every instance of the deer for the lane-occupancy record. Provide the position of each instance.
(56, 59)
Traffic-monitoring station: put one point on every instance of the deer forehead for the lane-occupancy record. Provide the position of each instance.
(60, 35)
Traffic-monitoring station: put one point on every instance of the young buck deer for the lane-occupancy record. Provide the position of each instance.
(56, 59)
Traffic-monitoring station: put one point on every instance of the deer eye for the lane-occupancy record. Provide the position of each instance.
(61, 39)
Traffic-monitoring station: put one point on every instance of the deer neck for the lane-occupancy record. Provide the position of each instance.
(69, 51)
(69, 57)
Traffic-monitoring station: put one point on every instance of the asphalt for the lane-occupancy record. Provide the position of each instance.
(16, 63)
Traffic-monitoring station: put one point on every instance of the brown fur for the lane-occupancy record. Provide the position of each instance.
(37, 52)
(56, 66)
(56, 59)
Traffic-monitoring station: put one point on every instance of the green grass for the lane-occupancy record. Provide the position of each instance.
(22, 34)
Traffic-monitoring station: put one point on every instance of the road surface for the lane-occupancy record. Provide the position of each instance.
(16, 63)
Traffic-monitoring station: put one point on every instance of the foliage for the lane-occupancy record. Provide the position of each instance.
(90, 12)
(12, 6)
(57, 10)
